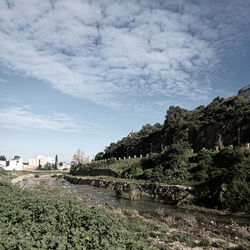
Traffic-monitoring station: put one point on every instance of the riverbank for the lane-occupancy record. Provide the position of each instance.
(175, 230)
(170, 193)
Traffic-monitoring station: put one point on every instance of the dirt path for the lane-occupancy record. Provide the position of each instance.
(20, 178)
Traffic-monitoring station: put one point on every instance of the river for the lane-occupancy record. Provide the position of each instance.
(144, 205)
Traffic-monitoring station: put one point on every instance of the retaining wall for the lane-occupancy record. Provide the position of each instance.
(169, 193)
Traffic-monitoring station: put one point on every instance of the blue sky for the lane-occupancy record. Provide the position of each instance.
(82, 74)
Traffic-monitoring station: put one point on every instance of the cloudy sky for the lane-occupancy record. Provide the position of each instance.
(82, 74)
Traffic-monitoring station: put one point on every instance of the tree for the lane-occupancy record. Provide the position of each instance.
(227, 186)
(99, 156)
(56, 161)
(47, 166)
(39, 164)
(2, 158)
(79, 158)
(16, 157)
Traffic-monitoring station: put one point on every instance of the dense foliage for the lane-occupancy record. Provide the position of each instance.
(227, 181)
(35, 221)
(170, 165)
(221, 123)
(220, 179)
(223, 177)
(131, 145)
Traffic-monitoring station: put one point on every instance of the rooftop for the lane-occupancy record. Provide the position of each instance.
(244, 88)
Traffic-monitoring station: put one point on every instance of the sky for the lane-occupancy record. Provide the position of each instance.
(82, 74)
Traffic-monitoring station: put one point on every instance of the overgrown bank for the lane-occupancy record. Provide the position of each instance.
(48, 219)
(171, 193)
(219, 180)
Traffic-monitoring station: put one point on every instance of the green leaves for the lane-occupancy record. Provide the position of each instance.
(227, 184)
(31, 220)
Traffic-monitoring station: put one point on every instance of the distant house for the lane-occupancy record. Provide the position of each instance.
(2, 164)
(245, 92)
(16, 164)
(41, 160)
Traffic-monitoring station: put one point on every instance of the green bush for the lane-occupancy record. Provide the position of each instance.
(31, 220)
(133, 172)
(170, 165)
(227, 186)
(204, 160)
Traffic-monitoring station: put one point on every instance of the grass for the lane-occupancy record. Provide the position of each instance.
(132, 194)
(118, 166)
(122, 165)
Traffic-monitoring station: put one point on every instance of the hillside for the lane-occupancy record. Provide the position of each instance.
(221, 123)
(220, 179)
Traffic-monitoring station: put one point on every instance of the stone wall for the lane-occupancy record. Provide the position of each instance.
(168, 193)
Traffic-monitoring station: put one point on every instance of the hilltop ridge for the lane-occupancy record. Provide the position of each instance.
(221, 123)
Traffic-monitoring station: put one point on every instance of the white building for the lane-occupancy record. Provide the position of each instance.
(32, 162)
(41, 160)
(16, 164)
(44, 160)
(3, 164)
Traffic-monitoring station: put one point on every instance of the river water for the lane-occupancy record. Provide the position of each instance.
(144, 205)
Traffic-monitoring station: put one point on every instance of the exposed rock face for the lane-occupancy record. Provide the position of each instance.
(165, 192)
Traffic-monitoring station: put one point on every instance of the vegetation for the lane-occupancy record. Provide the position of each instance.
(130, 145)
(79, 157)
(39, 221)
(47, 166)
(227, 181)
(112, 164)
(223, 122)
(220, 180)
(56, 161)
(170, 165)
(48, 219)
(2, 158)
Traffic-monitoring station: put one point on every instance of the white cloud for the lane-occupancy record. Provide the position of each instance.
(109, 52)
(23, 119)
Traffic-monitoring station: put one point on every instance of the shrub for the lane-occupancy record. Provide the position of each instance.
(133, 172)
(37, 221)
(227, 186)
(204, 161)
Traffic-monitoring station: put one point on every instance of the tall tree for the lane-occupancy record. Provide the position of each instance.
(56, 161)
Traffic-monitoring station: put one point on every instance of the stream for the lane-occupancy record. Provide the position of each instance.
(144, 205)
